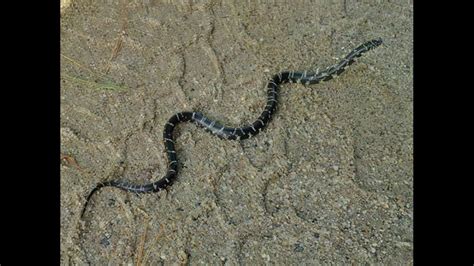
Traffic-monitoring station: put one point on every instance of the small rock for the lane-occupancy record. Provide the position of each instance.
(105, 241)
(298, 247)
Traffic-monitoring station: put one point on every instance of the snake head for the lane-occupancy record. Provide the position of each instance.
(376, 42)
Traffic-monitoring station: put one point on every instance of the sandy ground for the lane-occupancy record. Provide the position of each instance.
(328, 181)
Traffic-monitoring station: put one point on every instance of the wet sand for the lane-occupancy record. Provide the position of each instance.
(328, 181)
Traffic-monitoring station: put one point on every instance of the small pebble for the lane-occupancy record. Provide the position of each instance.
(298, 247)
(105, 241)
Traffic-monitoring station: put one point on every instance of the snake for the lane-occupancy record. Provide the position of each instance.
(233, 133)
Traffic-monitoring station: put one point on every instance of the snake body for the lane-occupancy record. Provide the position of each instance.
(233, 133)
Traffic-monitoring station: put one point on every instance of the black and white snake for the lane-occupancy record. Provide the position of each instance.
(238, 133)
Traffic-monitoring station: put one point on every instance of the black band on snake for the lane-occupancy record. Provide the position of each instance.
(238, 133)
